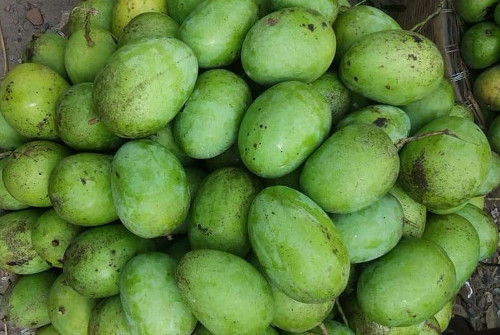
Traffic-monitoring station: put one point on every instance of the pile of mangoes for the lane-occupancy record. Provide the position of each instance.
(238, 167)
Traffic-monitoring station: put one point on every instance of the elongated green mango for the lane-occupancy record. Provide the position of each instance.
(108, 318)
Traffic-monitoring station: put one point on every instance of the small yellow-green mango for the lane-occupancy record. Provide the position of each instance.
(149, 25)
(9, 138)
(108, 318)
(7, 201)
(47, 49)
(485, 88)
(125, 10)
(461, 110)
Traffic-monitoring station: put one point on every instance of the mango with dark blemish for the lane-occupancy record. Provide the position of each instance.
(245, 308)
(28, 97)
(149, 25)
(282, 127)
(149, 188)
(444, 170)
(329, 9)
(474, 11)
(303, 35)
(80, 189)
(7, 201)
(415, 214)
(394, 67)
(101, 19)
(298, 246)
(423, 288)
(47, 49)
(125, 10)
(480, 46)
(332, 175)
(25, 303)
(215, 30)
(94, 260)
(108, 318)
(69, 311)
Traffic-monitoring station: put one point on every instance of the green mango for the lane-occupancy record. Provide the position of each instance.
(438, 103)
(69, 311)
(445, 170)
(415, 214)
(149, 25)
(215, 30)
(80, 189)
(24, 304)
(418, 296)
(165, 137)
(108, 318)
(230, 157)
(333, 328)
(9, 138)
(27, 171)
(393, 67)
(179, 248)
(297, 245)
(357, 22)
(209, 122)
(444, 316)
(485, 88)
(47, 330)
(7, 201)
(360, 230)
(329, 9)
(147, 179)
(80, 14)
(86, 53)
(462, 110)
(459, 239)
(474, 11)
(47, 49)
(494, 135)
(150, 278)
(77, 124)
(390, 119)
(480, 46)
(156, 76)
(180, 9)
(28, 98)
(51, 236)
(245, 308)
(477, 202)
(94, 260)
(485, 227)
(282, 127)
(17, 254)
(330, 176)
(125, 10)
(492, 180)
(301, 34)
(218, 215)
(336, 94)
(201, 330)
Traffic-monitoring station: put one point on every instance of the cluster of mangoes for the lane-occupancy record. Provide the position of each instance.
(238, 167)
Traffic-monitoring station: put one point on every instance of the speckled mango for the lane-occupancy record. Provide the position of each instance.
(245, 308)
(298, 246)
(393, 67)
(149, 25)
(156, 76)
(150, 278)
(47, 49)
(108, 318)
(125, 10)
(282, 127)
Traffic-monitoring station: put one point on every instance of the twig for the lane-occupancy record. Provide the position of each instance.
(491, 199)
(5, 329)
(4, 50)
(403, 141)
(341, 311)
(419, 26)
(489, 264)
(5, 154)
(324, 331)
(360, 3)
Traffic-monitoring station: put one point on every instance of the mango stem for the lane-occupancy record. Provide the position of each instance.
(324, 331)
(438, 10)
(86, 26)
(5, 154)
(341, 311)
(401, 143)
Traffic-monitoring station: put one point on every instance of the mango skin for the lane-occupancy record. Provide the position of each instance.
(485, 227)
(459, 239)
(390, 119)
(149, 188)
(445, 171)
(93, 262)
(328, 175)
(80, 189)
(47, 49)
(28, 98)
(51, 236)
(474, 11)
(165, 137)
(282, 127)
(296, 243)
(69, 311)
(151, 277)
(301, 34)
(24, 304)
(209, 122)
(415, 214)
(149, 25)
(180, 9)
(418, 297)
(393, 67)
(492, 180)
(7, 201)
(438, 103)
(360, 230)
(462, 110)
(328, 8)
(125, 10)
(215, 30)
(484, 88)
(202, 274)
(480, 46)
(200, 330)
(101, 20)
(156, 75)
(9, 138)
(77, 123)
(218, 214)
(16, 251)
(108, 318)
